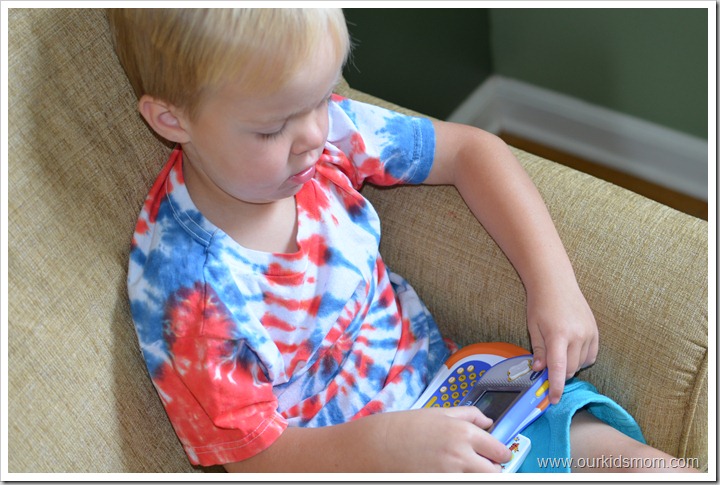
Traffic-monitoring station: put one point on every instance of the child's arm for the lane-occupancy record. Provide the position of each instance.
(562, 328)
(424, 440)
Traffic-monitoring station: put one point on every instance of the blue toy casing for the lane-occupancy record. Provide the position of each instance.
(497, 378)
(512, 395)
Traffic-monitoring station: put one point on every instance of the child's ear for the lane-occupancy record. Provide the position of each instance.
(165, 119)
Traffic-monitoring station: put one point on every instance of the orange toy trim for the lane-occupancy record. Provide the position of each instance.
(502, 349)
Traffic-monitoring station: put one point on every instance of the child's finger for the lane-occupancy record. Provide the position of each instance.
(557, 369)
(484, 444)
(538, 348)
(490, 448)
(470, 414)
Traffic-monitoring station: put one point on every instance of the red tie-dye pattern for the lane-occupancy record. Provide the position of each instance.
(396, 374)
(209, 374)
(281, 276)
(141, 228)
(162, 185)
(316, 249)
(310, 306)
(301, 353)
(373, 407)
(271, 321)
(335, 169)
(311, 202)
(200, 433)
(358, 144)
(218, 390)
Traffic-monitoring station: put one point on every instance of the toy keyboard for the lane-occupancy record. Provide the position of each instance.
(457, 384)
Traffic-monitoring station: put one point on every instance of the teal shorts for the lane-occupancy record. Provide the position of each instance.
(550, 433)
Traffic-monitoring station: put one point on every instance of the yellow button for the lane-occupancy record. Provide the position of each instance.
(543, 388)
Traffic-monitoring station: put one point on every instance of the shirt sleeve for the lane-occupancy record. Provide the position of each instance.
(214, 388)
(383, 147)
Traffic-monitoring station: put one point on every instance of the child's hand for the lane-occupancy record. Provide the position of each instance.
(439, 440)
(563, 334)
(505, 201)
(422, 440)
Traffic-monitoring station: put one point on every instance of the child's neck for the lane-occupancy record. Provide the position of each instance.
(269, 227)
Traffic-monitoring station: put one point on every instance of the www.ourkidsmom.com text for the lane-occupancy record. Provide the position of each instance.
(619, 462)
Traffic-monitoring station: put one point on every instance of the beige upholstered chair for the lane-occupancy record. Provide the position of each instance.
(80, 164)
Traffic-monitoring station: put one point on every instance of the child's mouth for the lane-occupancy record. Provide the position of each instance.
(304, 176)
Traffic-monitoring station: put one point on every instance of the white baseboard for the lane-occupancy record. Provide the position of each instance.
(652, 152)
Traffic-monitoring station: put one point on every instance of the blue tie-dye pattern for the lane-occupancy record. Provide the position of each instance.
(338, 260)
(406, 141)
(347, 106)
(149, 312)
(370, 365)
(149, 333)
(137, 257)
(329, 305)
(366, 220)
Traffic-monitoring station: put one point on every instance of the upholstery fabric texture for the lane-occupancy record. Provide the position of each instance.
(81, 161)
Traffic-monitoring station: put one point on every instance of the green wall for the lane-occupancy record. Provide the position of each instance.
(650, 63)
(429, 60)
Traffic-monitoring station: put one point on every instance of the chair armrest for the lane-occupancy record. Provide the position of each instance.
(641, 265)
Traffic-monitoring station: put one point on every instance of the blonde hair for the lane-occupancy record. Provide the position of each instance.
(180, 55)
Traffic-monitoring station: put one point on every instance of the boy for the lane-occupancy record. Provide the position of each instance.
(273, 332)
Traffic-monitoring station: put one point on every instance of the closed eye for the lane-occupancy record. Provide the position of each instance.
(274, 134)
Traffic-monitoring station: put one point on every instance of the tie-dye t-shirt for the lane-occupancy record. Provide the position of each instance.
(241, 344)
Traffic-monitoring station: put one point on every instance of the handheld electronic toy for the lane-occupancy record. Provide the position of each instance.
(498, 379)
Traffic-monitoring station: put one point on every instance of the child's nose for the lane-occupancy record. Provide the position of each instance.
(311, 134)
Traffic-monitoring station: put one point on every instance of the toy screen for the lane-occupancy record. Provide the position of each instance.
(494, 403)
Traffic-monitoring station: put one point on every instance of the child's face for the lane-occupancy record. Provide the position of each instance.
(260, 149)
